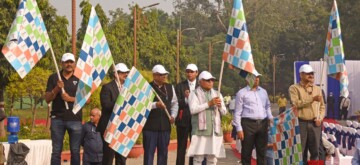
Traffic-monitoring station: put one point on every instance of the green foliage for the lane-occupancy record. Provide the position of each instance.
(226, 122)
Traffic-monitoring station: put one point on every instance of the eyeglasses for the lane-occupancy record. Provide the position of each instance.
(190, 71)
(210, 80)
(311, 73)
(119, 72)
(162, 74)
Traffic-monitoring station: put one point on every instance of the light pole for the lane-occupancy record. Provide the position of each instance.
(211, 45)
(179, 39)
(274, 71)
(135, 20)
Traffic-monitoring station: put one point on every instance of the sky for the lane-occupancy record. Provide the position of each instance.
(64, 7)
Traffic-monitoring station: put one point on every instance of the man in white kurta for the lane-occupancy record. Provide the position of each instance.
(206, 105)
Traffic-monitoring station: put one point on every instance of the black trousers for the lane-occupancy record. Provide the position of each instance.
(183, 133)
(343, 112)
(255, 134)
(109, 154)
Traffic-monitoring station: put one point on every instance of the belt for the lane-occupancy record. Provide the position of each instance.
(258, 121)
(308, 121)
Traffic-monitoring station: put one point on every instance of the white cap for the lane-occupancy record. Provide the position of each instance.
(67, 57)
(306, 68)
(121, 67)
(206, 75)
(159, 69)
(192, 67)
(257, 73)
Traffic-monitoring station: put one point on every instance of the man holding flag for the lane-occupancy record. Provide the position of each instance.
(63, 119)
(306, 98)
(108, 95)
(156, 132)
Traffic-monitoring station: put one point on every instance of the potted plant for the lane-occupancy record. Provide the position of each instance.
(227, 127)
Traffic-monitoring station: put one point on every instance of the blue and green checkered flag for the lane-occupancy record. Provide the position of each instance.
(334, 52)
(94, 61)
(130, 113)
(28, 40)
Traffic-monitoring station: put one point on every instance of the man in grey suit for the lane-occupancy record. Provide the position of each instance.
(108, 95)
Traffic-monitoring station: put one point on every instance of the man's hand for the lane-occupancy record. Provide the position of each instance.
(60, 84)
(317, 122)
(160, 105)
(317, 98)
(66, 97)
(187, 93)
(215, 101)
(172, 120)
(241, 135)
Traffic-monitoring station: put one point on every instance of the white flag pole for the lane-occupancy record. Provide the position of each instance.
(58, 73)
(221, 73)
(321, 84)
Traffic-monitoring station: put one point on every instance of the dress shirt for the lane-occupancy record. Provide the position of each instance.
(192, 85)
(252, 104)
(174, 104)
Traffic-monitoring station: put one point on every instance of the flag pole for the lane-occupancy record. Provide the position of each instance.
(321, 84)
(58, 73)
(221, 73)
(157, 96)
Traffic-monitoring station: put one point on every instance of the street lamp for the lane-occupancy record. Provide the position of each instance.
(135, 20)
(179, 39)
(274, 71)
(211, 45)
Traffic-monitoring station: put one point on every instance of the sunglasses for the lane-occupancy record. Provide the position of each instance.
(311, 73)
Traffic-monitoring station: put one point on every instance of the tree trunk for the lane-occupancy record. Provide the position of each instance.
(33, 108)
(48, 119)
(2, 108)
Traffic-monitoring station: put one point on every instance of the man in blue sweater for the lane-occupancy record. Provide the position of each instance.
(91, 140)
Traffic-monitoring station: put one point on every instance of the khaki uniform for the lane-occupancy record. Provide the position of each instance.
(303, 99)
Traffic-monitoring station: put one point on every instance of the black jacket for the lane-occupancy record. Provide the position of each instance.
(92, 143)
(108, 95)
(158, 120)
(184, 116)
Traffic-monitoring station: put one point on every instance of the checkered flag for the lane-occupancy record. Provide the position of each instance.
(28, 40)
(334, 52)
(237, 50)
(285, 132)
(94, 61)
(130, 113)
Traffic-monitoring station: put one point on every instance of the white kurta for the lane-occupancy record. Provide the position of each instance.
(207, 145)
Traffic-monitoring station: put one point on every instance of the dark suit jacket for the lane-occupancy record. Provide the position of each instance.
(184, 117)
(108, 95)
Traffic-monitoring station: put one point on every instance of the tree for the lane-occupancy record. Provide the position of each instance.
(26, 87)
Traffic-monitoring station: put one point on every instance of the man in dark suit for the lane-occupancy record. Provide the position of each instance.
(156, 131)
(183, 119)
(108, 95)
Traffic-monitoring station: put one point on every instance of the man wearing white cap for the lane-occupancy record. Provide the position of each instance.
(108, 95)
(206, 105)
(183, 119)
(251, 119)
(63, 119)
(305, 97)
(156, 131)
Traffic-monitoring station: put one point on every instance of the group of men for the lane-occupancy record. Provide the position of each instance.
(253, 114)
(194, 106)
